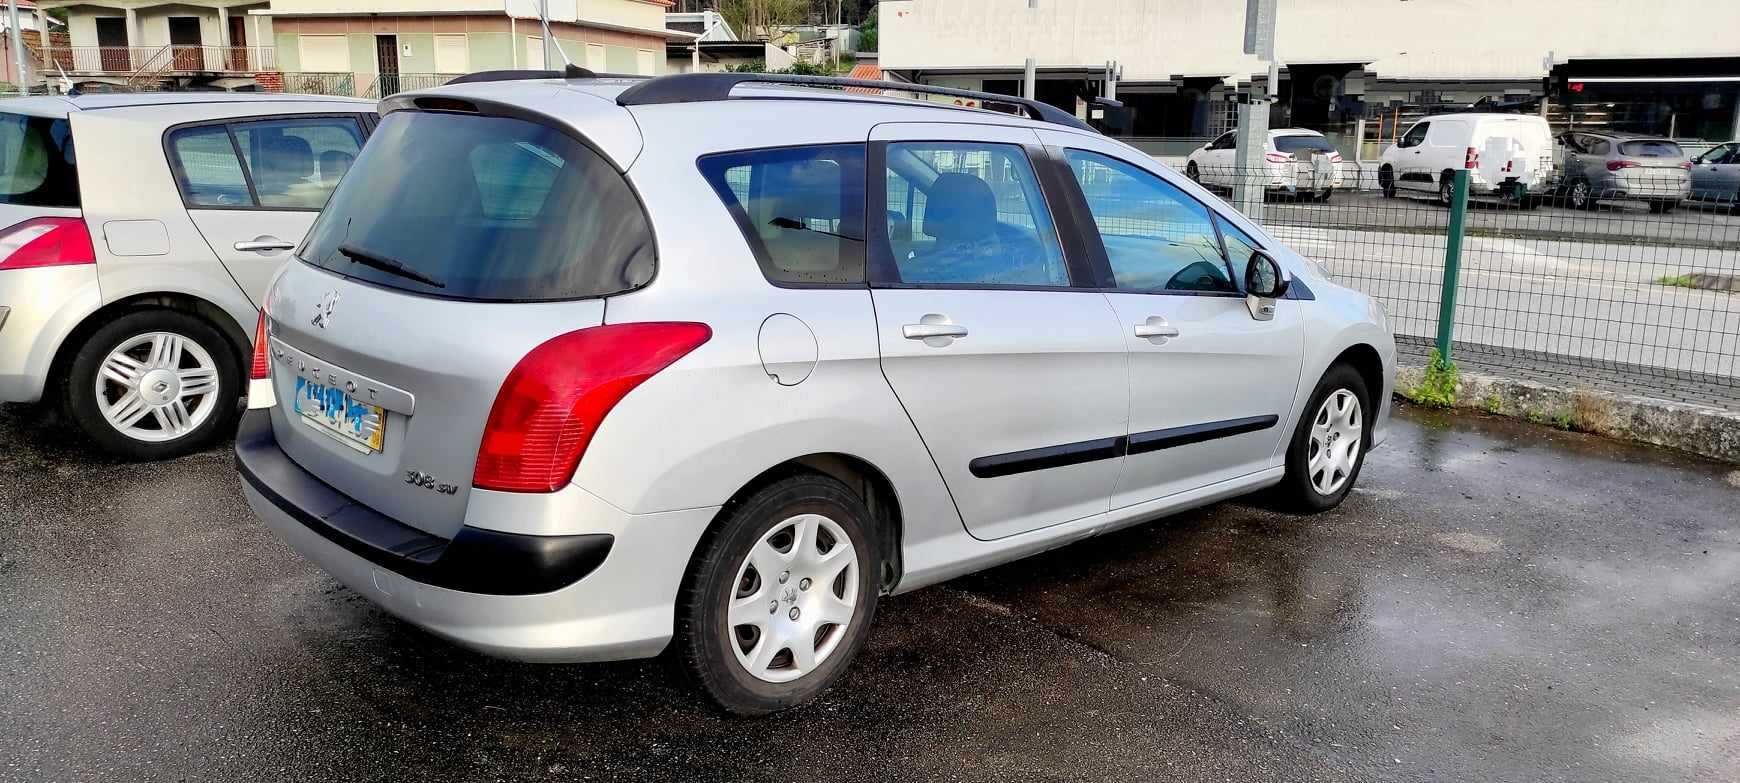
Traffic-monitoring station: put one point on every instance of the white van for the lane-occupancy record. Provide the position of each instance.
(1511, 156)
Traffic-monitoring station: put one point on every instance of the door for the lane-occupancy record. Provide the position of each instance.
(1210, 385)
(1410, 156)
(387, 60)
(1716, 174)
(1010, 367)
(112, 52)
(185, 42)
(238, 54)
(254, 187)
(1223, 161)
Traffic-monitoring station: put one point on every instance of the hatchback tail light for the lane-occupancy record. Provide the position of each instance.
(46, 241)
(1278, 157)
(262, 368)
(1615, 165)
(1471, 158)
(554, 400)
(1334, 157)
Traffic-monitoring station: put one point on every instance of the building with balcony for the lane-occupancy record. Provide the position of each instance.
(373, 48)
(140, 44)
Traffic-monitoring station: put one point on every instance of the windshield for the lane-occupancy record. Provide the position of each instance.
(1650, 149)
(483, 208)
(36, 162)
(1302, 144)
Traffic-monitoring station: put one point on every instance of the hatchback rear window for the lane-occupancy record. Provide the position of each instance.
(1302, 144)
(483, 208)
(1650, 149)
(36, 162)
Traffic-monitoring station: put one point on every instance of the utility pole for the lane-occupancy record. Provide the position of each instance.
(18, 45)
(1030, 78)
(1253, 131)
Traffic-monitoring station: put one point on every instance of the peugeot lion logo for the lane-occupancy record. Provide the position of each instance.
(323, 311)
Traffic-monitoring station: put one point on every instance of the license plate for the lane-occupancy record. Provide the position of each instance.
(358, 425)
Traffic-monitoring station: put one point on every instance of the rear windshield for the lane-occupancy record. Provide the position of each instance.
(1650, 149)
(36, 162)
(483, 208)
(1302, 144)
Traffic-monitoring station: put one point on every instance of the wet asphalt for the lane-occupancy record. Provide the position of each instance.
(1497, 602)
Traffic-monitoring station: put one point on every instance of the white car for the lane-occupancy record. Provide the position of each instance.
(1296, 162)
(560, 379)
(139, 233)
(1510, 157)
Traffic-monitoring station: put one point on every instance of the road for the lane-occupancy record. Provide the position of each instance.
(1496, 602)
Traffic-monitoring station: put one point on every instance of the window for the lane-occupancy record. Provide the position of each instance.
(595, 58)
(1651, 149)
(37, 168)
(1226, 141)
(968, 214)
(489, 209)
(1718, 155)
(644, 64)
(1415, 135)
(452, 54)
(800, 208)
(296, 163)
(1302, 143)
(1156, 238)
(534, 53)
(207, 168)
(1239, 245)
(1596, 146)
(324, 53)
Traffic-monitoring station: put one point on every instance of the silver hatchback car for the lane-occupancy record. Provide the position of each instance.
(588, 368)
(139, 233)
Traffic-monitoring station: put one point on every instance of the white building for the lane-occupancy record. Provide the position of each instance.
(1656, 67)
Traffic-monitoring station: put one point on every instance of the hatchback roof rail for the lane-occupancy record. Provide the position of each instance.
(698, 87)
(570, 72)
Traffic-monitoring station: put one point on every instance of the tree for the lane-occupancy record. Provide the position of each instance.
(797, 68)
(754, 18)
(867, 33)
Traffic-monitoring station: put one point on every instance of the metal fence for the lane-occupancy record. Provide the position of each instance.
(1631, 273)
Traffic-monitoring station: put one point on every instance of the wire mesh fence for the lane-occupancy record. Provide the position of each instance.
(1633, 273)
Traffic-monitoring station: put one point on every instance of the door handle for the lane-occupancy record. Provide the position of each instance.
(1156, 327)
(263, 244)
(930, 331)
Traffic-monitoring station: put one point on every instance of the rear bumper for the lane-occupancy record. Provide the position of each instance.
(601, 595)
(41, 307)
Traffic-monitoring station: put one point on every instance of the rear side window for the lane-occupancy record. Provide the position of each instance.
(264, 164)
(37, 168)
(483, 208)
(1650, 149)
(1302, 144)
(800, 208)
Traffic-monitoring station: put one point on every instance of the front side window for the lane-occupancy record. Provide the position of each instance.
(1415, 135)
(1157, 239)
(264, 164)
(1226, 142)
(968, 214)
(800, 208)
(485, 209)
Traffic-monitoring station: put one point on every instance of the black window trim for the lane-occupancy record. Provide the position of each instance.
(880, 269)
(1088, 229)
(179, 173)
(752, 236)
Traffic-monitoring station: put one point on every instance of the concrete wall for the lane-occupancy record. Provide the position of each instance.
(1155, 39)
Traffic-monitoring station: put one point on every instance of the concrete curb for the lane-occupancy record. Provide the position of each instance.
(1700, 429)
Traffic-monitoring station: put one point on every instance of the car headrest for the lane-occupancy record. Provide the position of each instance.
(334, 163)
(291, 157)
(959, 207)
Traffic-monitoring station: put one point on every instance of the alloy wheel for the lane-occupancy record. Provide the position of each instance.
(1336, 434)
(793, 599)
(157, 386)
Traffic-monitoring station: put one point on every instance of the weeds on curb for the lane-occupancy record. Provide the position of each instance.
(1437, 386)
(1678, 281)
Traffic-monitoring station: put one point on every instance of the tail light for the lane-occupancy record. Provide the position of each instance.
(1278, 157)
(262, 368)
(1471, 158)
(1686, 164)
(1334, 157)
(1615, 165)
(46, 241)
(553, 401)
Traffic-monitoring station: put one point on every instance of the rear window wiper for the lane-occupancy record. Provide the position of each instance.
(798, 225)
(388, 265)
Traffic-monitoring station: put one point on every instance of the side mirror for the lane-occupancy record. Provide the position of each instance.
(1265, 281)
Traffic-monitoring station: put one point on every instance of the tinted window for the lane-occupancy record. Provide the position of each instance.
(969, 214)
(1156, 238)
(36, 162)
(1226, 141)
(801, 208)
(1650, 149)
(491, 208)
(297, 163)
(1302, 144)
(1239, 245)
(1415, 135)
(207, 168)
(1598, 146)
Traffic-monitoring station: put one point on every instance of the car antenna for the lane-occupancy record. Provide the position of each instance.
(569, 69)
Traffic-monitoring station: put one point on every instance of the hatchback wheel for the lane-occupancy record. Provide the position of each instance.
(1329, 444)
(153, 384)
(781, 598)
(1191, 171)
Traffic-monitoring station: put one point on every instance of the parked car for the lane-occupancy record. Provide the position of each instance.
(1716, 174)
(560, 379)
(131, 270)
(1296, 162)
(1510, 157)
(1619, 166)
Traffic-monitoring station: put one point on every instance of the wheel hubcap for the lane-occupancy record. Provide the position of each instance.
(157, 386)
(1336, 434)
(795, 595)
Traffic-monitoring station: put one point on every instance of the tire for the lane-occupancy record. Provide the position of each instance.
(1304, 488)
(1191, 171)
(1387, 181)
(1447, 190)
(1663, 207)
(205, 380)
(1323, 198)
(1580, 195)
(725, 660)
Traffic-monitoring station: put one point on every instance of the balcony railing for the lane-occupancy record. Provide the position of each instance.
(173, 59)
(342, 84)
(394, 83)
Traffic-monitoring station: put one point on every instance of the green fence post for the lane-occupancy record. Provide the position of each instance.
(1452, 263)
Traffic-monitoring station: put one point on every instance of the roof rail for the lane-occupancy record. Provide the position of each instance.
(698, 87)
(570, 72)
